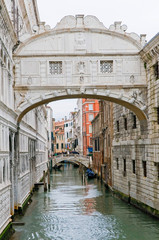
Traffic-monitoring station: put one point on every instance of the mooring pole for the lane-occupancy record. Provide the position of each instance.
(48, 177)
(45, 186)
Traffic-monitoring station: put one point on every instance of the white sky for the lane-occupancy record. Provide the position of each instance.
(141, 17)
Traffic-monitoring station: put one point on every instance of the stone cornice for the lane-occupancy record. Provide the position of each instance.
(7, 19)
(151, 49)
(130, 37)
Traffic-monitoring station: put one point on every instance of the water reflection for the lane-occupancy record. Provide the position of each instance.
(77, 209)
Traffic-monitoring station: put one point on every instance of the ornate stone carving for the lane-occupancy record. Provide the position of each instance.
(81, 67)
(132, 79)
(93, 22)
(81, 79)
(29, 81)
(82, 90)
(136, 96)
(66, 22)
(80, 42)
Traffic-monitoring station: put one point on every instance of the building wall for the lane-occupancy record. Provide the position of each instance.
(90, 108)
(68, 132)
(102, 126)
(135, 149)
(23, 148)
(60, 136)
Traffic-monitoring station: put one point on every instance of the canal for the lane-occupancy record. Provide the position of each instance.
(74, 209)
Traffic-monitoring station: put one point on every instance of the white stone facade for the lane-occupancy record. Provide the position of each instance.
(80, 58)
(23, 148)
(68, 133)
(78, 127)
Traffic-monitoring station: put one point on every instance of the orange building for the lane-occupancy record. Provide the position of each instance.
(60, 137)
(90, 108)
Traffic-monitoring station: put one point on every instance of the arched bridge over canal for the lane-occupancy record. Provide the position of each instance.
(81, 58)
(78, 159)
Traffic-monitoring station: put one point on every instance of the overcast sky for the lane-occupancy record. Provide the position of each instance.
(141, 17)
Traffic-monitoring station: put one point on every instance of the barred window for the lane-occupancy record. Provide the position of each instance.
(144, 165)
(55, 67)
(106, 66)
(133, 166)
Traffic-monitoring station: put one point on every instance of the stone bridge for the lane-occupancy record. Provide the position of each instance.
(78, 159)
(81, 58)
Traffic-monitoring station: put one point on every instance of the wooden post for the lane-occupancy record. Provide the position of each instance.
(48, 177)
(45, 186)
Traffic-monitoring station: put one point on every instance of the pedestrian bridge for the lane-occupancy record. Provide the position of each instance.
(80, 58)
(78, 159)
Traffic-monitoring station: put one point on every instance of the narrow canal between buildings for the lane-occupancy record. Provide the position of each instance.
(78, 210)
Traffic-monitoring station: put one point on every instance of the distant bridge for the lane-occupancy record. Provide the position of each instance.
(74, 158)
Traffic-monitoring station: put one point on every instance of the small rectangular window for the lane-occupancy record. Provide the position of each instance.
(125, 123)
(117, 163)
(55, 67)
(106, 66)
(144, 164)
(117, 126)
(90, 128)
(97, 146)
(133, 166)
(57, 146)
(90, 107)
(124, 165)
(52, 147)
(134, 121)
(91, 116)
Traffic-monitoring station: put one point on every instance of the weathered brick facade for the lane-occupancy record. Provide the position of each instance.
(102, 127)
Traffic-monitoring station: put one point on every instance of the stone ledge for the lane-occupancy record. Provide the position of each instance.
(7, 232)
(140, 205)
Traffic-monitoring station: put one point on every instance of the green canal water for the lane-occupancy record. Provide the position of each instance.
(74, 209)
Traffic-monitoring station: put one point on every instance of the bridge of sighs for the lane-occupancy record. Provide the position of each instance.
(81, 58)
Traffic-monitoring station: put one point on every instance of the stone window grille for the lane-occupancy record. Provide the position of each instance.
(133, 166)
(144, 165)
(106, 66)
(55, 67)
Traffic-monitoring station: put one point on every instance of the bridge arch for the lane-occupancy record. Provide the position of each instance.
(81, 58)
(84, 160)
(102, 94)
